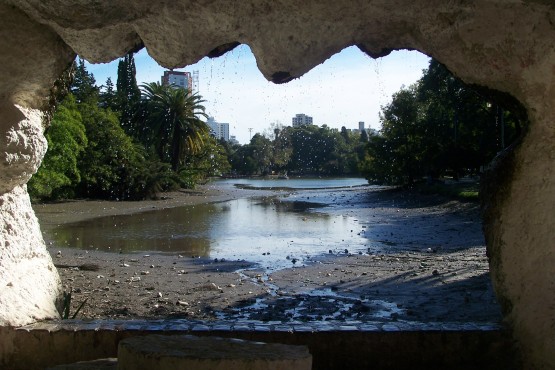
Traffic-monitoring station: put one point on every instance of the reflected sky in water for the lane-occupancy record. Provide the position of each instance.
(269, 231)
(297, 183)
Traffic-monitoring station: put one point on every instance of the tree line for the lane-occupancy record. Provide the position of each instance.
(132, 142)
(441, 126)
(127, 142)
(305, 150)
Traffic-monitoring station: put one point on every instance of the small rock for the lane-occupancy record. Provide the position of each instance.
(59, 254)
(124, 264)
(159, 295)
(435, 272)
(181, 303)
(145, 272)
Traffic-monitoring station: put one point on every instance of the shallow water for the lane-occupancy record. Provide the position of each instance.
(268, 231)
(296, 183)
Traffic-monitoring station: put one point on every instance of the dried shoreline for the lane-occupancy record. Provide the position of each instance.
(435, 270)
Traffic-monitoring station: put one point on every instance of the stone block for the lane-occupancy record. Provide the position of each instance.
(101, 364)
(208, 353)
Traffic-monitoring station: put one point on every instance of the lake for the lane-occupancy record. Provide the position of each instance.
(275, 231)
(296, 183)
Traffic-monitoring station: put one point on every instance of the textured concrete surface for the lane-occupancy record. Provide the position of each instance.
(28, 279)
(333, 345)
(509, 46)
(208, 353)
(100, 364)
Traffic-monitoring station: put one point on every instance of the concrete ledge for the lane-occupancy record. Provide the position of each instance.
(333, 345)
(101, 364)
(175, 352)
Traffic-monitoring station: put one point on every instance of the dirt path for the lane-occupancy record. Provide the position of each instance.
(425, 262)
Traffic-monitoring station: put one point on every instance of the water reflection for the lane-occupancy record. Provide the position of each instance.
(265, 230)
(296, 183)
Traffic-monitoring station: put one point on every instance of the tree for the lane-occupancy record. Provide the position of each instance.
(108, 97)
(111, 164)
(83, 86)
(282, 149)
(171, 122)
(438, 126)
(128, 93)
(59, 173)
(211, 160)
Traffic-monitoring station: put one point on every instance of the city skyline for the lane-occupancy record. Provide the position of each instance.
(347, 88)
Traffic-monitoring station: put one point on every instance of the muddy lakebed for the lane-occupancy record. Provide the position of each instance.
(340, 253)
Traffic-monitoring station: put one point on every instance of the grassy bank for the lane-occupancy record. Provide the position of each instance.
(467, 191)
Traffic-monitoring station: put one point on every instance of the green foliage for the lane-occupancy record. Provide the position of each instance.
(464, 191)
(66, 306)
(91, 155)
(109, 97)
(59, 174)
(438, 126)
(112, 166)
(211, 160)
(319, 150)
(301, 150)
(128, 93)
(83, 86)
(171, 123)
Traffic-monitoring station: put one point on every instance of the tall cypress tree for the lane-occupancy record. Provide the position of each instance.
(128, 92)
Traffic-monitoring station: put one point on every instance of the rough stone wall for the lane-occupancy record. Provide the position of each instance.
(28, 279)
(506, 45)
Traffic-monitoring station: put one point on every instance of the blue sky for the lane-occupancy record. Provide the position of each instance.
(347, 88)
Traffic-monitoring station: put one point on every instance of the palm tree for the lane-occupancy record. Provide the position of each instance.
(172, 123)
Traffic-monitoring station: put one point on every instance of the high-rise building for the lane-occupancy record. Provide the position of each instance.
(183, 80)
(301, 120)
(361, 126)
(219, 130)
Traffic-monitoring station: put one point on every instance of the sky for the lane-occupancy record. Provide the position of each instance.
(347, 88)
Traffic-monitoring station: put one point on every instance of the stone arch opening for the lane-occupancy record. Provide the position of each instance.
(125, 312)
(508, 47)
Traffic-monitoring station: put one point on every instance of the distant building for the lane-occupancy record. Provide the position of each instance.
(218, 130)
(183, 80)
(369, 131)
(301, 120)
(233, 140)
(224, 131)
